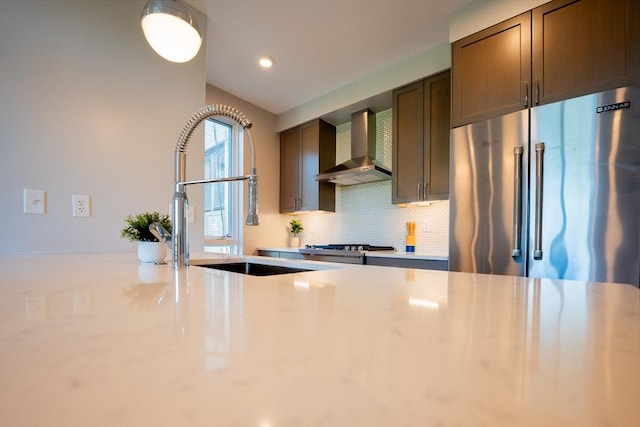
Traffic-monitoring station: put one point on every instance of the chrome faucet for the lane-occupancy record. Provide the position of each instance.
(179, 235)
(161, 234)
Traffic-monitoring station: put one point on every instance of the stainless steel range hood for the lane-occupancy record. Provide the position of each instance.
(362, 166)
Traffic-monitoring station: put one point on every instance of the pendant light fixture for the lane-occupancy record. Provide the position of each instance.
(171, 30)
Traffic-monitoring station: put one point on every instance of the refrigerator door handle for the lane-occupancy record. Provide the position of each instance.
(537, 252)
(517, 202)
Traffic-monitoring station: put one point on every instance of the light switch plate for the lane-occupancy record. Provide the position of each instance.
(35, 201)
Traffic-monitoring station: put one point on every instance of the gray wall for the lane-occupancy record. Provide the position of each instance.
(86, 107)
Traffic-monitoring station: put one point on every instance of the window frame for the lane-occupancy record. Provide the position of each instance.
(231, 242)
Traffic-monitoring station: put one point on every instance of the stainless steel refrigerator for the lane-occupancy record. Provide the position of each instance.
(551, 192)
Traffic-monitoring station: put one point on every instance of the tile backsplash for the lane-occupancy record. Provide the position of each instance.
(364, 212)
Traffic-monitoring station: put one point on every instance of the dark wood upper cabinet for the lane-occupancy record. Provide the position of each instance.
(437, 118)
(420, 140)
(407, 142)
(562, 49)
(305, 151)
(491, 71)
(289, 169)
(585, 46)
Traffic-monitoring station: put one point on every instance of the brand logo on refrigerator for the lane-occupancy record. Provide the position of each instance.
(613, 107)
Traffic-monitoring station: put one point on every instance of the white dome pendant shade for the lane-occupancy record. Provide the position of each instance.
(171, 30)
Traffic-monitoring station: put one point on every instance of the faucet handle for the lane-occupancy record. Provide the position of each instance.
(161, 233)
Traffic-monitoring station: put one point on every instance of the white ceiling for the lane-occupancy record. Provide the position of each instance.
(317, 45)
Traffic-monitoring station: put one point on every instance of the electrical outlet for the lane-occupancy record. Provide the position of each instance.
(82, 302)
(35, 201)
(81, 205)
(425, 226)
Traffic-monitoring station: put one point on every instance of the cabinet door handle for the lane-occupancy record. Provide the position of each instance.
(537, 92)
(424, 191)
(418, 192)
(517, 202)
(537, 253)
(526, 94)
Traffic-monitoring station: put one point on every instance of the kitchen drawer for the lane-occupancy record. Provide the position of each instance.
(280, 254)
(426, 264)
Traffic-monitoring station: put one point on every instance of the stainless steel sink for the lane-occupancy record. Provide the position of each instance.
(254, 269)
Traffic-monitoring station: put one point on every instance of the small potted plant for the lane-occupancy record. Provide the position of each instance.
(137, 230)
(296, 229)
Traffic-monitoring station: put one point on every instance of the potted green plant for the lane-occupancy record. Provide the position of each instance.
(137, 230)
(296, 229)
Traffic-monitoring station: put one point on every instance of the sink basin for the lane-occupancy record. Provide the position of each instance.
(254, 269)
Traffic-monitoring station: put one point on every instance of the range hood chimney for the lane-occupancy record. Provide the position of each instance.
(362, 166)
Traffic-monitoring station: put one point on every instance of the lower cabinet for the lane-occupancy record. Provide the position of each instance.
(425, 264)
(280, 254)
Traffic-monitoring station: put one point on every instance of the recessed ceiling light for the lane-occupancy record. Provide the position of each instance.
(266, 62)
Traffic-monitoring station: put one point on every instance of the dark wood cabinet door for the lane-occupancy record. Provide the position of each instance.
(492, 71)
(407, 138)
(585, 46)
(421, 124)
(318, 153)
(310, 153)
(437, 120)
(305, 151)
(289, 169)
(326, 160)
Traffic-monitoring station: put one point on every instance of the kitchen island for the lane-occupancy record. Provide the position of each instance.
(101, 340)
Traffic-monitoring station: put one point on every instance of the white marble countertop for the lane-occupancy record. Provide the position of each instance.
(100, 340)
(380, 254)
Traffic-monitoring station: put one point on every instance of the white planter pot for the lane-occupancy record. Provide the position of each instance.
(154, 252)
(294, 242)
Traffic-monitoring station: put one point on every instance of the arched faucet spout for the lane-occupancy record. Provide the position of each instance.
(180, 201)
